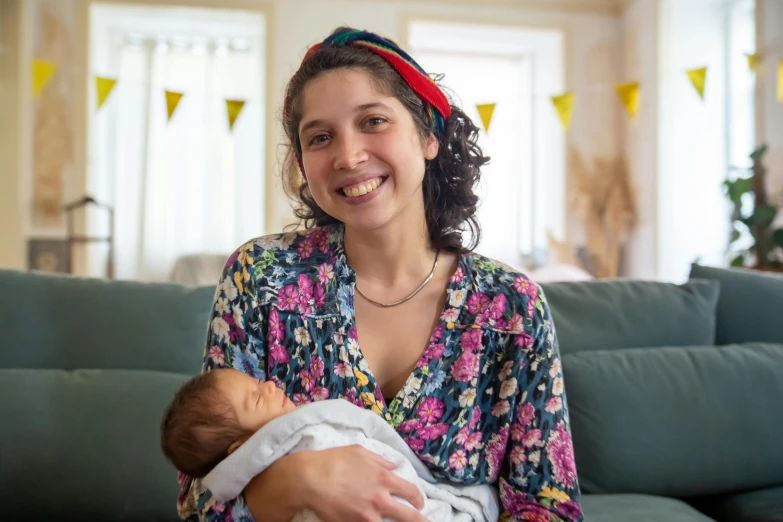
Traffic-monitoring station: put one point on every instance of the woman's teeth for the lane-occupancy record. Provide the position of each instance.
(360, 189)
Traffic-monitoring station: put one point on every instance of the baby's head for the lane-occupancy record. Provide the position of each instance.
(213, 414)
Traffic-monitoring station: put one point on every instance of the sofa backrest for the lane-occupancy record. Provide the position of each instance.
(63, 322)
(624, 313)
(750, 308)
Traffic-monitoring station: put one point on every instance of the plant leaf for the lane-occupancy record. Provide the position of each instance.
(763, 215)
(738, 261)
(777, 237)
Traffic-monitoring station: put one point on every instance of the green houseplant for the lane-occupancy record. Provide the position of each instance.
(754, 213)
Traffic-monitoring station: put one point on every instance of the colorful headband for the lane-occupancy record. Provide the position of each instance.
(434, 100)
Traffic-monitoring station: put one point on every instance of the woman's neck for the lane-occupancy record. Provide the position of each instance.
(390, 256)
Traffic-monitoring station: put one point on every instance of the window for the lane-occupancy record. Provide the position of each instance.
(189, 184)
(518, 69)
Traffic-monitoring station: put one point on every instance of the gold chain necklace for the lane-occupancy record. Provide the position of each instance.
(408, 298)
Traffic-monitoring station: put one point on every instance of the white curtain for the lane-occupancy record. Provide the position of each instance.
(185, 186)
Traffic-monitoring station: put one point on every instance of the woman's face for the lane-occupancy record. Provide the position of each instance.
(362, 153)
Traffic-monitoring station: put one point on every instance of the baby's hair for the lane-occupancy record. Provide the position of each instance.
(199, 426)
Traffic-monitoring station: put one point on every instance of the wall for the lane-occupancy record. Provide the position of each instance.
(591, 70)
(769, 114)
(640, 137)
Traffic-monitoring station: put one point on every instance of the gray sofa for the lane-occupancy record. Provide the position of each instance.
(674, 393)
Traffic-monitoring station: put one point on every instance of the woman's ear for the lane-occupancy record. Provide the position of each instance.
(235, 445)
(431, 147)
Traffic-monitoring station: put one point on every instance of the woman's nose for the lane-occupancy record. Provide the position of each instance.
(349, 153)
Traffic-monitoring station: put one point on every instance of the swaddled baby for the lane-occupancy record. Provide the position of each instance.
(227, 427)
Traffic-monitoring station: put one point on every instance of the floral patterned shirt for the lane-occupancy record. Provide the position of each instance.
(485, 403)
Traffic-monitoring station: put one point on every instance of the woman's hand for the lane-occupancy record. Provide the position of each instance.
(353, 484)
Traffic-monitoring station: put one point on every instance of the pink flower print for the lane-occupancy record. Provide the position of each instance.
(517, 432)
(320, 296)
(305, 308)
(339, 339)
(497, 308)
(457, 277)
(321, 241)
(415, 444)
(317, 367)
(500, 324)
(305, 248)
(570, 509)
(516, 324)
(431, 410)
(288, 298)
(433, 431)
(466, 367)
(353, 334)
(525, 414)
(300, 398)
(524, 340)
(278, 354)
(496, 448)
(554, 405)
(500, 408)
(434, 351)
(471, 340)
(276, 328)
(561, 454)
(343, 370)
(462, 436)
(437, 335)
(517, 456)
(306, 380)
(325, 273)
(409, 426)
(474, 418)
(478, 303)
(305, 287)
(218, 508)
(458, 460)
(519, 505)
(474, 441)
(531, 438)
(217, 356)
(523, 285)
(320, 394)
(554, 370)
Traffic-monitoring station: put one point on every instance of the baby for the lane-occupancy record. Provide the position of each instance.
(215, 413)
(227, 427)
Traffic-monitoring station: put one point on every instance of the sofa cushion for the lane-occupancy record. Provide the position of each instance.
(85, 442)
(620, 313)
(765, 505)
(677, 421)
(63, 322)
(638, 508)
(750, 305)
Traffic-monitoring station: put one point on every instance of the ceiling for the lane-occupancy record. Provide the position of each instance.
(599, 6)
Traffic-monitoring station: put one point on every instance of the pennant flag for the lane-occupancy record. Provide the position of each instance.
(629, 94)
(233, 108)
(42, 72)
(172, 100)
(752, 60)
(485, 110)
(104, 87)
(564, 105)
(698, 78)
(780, 81)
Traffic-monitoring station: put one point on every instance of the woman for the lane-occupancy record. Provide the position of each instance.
(378, 302)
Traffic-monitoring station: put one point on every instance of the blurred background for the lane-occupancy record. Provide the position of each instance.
(139, 140)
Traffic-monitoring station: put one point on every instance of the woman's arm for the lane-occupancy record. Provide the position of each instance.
(539, 480)
(236, 338)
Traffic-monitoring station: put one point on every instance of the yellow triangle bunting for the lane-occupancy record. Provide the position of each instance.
(42, 73)
(564, 105)
(753, 59)
(629, 94)
(485, 111)
(103, 87)
(233, 108)
(172, 101)
(780, 81)
(698, 78)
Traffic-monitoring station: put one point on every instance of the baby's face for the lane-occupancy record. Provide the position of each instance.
(256, 402)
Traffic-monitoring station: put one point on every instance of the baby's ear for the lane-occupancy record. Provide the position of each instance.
(234, 446)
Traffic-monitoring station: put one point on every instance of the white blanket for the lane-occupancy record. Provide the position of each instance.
(334, 423)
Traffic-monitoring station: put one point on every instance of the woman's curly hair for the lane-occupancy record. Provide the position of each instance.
(449, 201)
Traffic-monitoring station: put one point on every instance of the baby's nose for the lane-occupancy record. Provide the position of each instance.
(268, 386)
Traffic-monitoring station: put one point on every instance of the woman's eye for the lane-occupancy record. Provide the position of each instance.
(317, 139)
(374, 122)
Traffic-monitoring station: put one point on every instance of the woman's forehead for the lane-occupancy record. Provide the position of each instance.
(341, 91)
